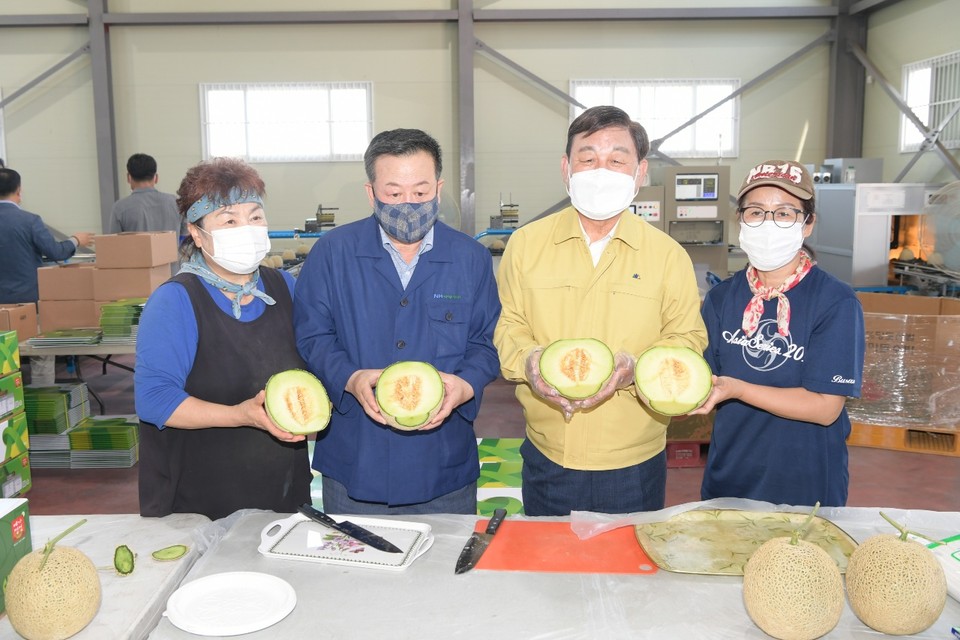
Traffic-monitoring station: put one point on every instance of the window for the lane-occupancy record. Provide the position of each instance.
(932, 89)
(289, 122)
(663, 105)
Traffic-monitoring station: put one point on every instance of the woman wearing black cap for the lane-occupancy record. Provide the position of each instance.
(786, 345)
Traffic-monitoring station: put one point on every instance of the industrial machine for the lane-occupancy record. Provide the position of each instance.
(508, 216)
(696, 206)
(321, 221)
(858, 228)
(648, 204)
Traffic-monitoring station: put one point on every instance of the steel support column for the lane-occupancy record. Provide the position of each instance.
(465, 119)
(845, 98)
(102, 82)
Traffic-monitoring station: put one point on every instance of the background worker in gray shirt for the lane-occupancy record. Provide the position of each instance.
(146, 209)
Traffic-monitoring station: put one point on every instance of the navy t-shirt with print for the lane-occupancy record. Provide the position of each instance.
(755, 454)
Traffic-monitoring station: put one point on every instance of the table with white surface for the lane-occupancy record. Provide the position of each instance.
(428, 601)
(130, 605)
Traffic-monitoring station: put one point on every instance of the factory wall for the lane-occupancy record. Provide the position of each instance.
(520, 128)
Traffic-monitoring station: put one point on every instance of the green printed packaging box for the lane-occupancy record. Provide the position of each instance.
(14, 538)
(9, 352)
(11, 394)
(15, 477)
(13, 431)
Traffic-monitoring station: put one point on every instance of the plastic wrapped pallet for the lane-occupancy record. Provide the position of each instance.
(911, 371)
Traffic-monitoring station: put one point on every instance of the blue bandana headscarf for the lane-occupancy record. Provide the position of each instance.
(208, 204)
(198, 264)
(408, 222)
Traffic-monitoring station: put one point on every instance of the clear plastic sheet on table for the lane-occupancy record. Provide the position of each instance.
(911, 373)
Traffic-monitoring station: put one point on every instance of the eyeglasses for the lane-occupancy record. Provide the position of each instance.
(783, 217)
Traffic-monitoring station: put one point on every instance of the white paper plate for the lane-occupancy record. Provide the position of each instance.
(228, 604)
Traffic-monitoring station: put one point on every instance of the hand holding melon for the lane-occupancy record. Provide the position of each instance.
(673, 381)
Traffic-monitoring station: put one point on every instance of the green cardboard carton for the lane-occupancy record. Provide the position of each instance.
(15, 477)
(11, 394)
(13, 432)
(9, 352)
(15, 539)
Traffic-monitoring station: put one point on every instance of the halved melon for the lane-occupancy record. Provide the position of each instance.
(576, 367)
(409, 394)
(675, 380)
(297, 402)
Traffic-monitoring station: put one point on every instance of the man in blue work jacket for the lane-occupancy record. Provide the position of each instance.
(398, 286)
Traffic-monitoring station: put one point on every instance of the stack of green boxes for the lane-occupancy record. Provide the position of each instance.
(15, 540)
(105, 442)
(52, 410)
(15, 470)
(120, 319)
(500, 480)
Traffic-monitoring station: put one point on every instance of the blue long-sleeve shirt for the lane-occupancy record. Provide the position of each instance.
(24, 242)
(167, 345)
(351, 313)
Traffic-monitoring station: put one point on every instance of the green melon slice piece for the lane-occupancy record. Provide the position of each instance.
(576, 367)
(675, 380)
(409, 394)
(297, 402)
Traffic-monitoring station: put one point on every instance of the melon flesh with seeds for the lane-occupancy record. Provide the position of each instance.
(792, 591)
(56, 601)
(674, 380)
(409, 394)
(895, 586)
(577, 368)
(297, 402)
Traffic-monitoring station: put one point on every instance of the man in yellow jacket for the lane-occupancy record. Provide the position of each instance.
(594, 270)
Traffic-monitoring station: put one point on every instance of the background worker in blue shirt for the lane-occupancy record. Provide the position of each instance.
(398, 286)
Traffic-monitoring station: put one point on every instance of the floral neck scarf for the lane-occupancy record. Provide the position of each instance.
(754, 310)
(197, 265)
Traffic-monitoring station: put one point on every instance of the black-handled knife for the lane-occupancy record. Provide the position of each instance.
(478, 543)
(355, 531)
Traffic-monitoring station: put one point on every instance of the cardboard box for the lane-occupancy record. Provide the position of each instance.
(136, 250)
(11, 394)
(9, 352)
(911, 373)
(15, 538)
(69, 314)
(66, 282)
(114, 284)
(15, 479)
(686, 454)
(21, 318)
(13, 430)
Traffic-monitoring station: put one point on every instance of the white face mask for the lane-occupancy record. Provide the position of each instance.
(768, 247)
(600, 194)
(239, 249)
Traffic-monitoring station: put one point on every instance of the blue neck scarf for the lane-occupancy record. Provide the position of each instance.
(198, 266)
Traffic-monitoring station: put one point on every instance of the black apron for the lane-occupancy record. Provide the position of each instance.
(216, 471)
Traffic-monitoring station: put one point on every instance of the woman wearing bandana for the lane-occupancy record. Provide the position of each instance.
(786, 345)
(209, 338)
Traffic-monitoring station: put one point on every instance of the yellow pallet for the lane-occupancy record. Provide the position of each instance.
(944, 442)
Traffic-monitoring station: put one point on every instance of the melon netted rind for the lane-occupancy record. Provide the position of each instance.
(57, 601)
(297, 402)
(895, 586)
(792, 591)
(576, 367)
(674, 380)
(409, 394)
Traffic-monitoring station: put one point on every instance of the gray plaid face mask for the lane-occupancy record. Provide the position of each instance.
(408, 222)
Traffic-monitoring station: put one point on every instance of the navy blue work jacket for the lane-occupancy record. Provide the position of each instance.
(350, 313)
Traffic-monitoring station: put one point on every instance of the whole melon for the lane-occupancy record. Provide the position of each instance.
(895, 586)
(54, 602)
(792, 591)
(576, 367)
(409, 394)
